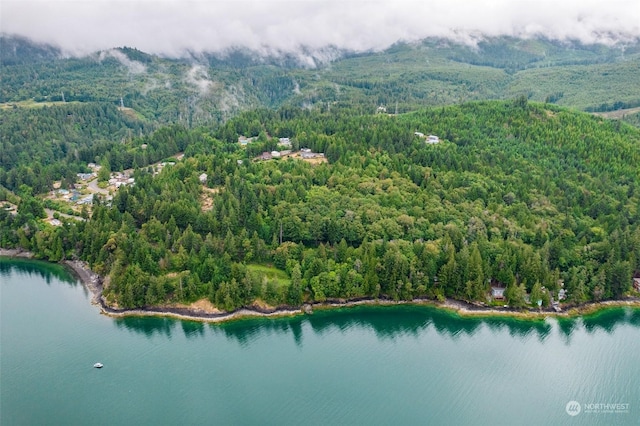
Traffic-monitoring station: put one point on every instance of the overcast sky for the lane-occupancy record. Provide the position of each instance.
(171, 26)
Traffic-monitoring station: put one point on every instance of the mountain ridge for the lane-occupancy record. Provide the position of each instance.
(212, 87)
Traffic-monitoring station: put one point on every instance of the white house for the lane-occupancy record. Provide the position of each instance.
(433, 139)
(85, 200)
(85, 176)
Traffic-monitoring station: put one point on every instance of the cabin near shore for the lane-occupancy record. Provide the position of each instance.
(497, 293)
(636, 281)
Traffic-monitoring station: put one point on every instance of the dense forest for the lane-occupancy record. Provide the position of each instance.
(526, 195)
(40, 145)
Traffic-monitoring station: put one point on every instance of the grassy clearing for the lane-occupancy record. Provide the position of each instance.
(617, 114)
(132, 113)
(278, 276)
(30, 103)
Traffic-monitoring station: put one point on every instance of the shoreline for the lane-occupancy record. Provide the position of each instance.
(94, 283)
(467, 310)
(90, 280)
(453, 306)
(18, 253)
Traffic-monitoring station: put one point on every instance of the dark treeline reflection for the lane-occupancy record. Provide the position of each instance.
(386, 322)
(46, 270)
(192, 328)
(634, 317)
(245, 331)
(607, 320)
(149, 325)
(160, 325)
(520, 328)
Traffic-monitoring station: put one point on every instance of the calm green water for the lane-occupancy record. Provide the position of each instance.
(405, 365)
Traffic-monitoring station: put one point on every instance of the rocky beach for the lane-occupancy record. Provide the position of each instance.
(16, 253)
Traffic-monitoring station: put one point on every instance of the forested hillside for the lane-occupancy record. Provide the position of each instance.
(40, 145)
(521, 194)
(210, 88)
(57, 113)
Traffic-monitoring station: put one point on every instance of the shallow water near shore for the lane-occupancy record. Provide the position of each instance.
(361, 365)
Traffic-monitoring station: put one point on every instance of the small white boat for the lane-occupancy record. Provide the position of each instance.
(98, 365)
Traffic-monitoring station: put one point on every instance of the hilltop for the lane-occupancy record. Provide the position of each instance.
(538, 201)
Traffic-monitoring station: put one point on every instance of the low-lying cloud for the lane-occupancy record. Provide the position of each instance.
(172, 27)
(134, 67)
(198, 77)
